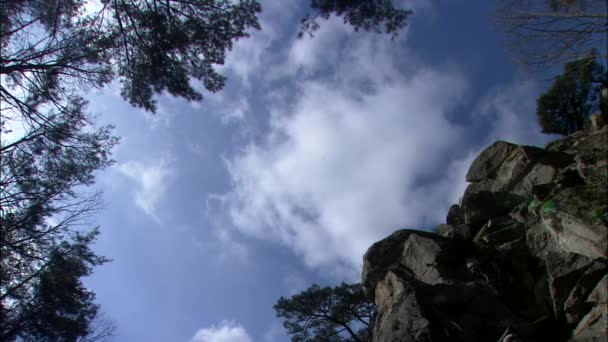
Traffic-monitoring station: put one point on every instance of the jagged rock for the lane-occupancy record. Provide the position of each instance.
(480, 204)
(460, 231)
(600, 292)
(516, 169)
(541, 241)
(489, 160)
(455, 215)
(576, 305)
(416, 311)
(427, 256)
(402, 313)
(380, 258)
(522, 257)
(593, 326)
(564, 271)
(499, 231)
(576, 219)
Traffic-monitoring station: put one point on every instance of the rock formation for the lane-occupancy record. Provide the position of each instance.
(522, 257)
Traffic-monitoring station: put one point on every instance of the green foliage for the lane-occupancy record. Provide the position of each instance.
(152, 46)
(534, 203)
(48, 53)
(61, 308)
(161, 45)
(572, 97)
(341, 313)
(549, 207)
(43, 252)
(600, 215)
(378, 16)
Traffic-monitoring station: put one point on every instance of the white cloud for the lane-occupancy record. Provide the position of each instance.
(276, 333)
(236, 111)
(223, 246)
(151, 183)
(341, 169)
(226, 331)
(307, 53)
(511, 110)
(364, 147)
(295, 283)
(252, 55)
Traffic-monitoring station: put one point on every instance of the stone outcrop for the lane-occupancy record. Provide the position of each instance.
(522, 257)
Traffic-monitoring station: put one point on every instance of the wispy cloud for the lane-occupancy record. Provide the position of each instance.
(226, 331)
(254, 55)
(151, 179)
(511, 109)
(223, 246)
(276, 333)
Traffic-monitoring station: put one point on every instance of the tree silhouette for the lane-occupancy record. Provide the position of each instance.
(378, 16)
(58, 306)
(341, 313)
(573, 96)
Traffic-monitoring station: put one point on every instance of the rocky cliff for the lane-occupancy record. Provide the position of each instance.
(522, 257)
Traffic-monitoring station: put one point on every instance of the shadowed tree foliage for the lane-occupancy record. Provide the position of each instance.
(60, 308)
(160, 45)
(152, 46)
(49, 152)
(379, 16)
(44, 214)
(327, 314)
(573, 96)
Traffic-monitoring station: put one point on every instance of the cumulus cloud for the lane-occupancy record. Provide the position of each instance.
(364, 147)
(226, 331)
(151, 183)
(341, 167)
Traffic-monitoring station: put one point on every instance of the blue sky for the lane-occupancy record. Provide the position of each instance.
(315, 149)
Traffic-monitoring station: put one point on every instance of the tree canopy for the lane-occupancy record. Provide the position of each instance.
(340, 313)
(59, 307)
(152, 46)
(378, 16)
(573, 96)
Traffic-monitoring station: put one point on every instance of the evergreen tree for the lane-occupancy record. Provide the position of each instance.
(573, 96)
(327, 314)
(60, 308)
(378, 16)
